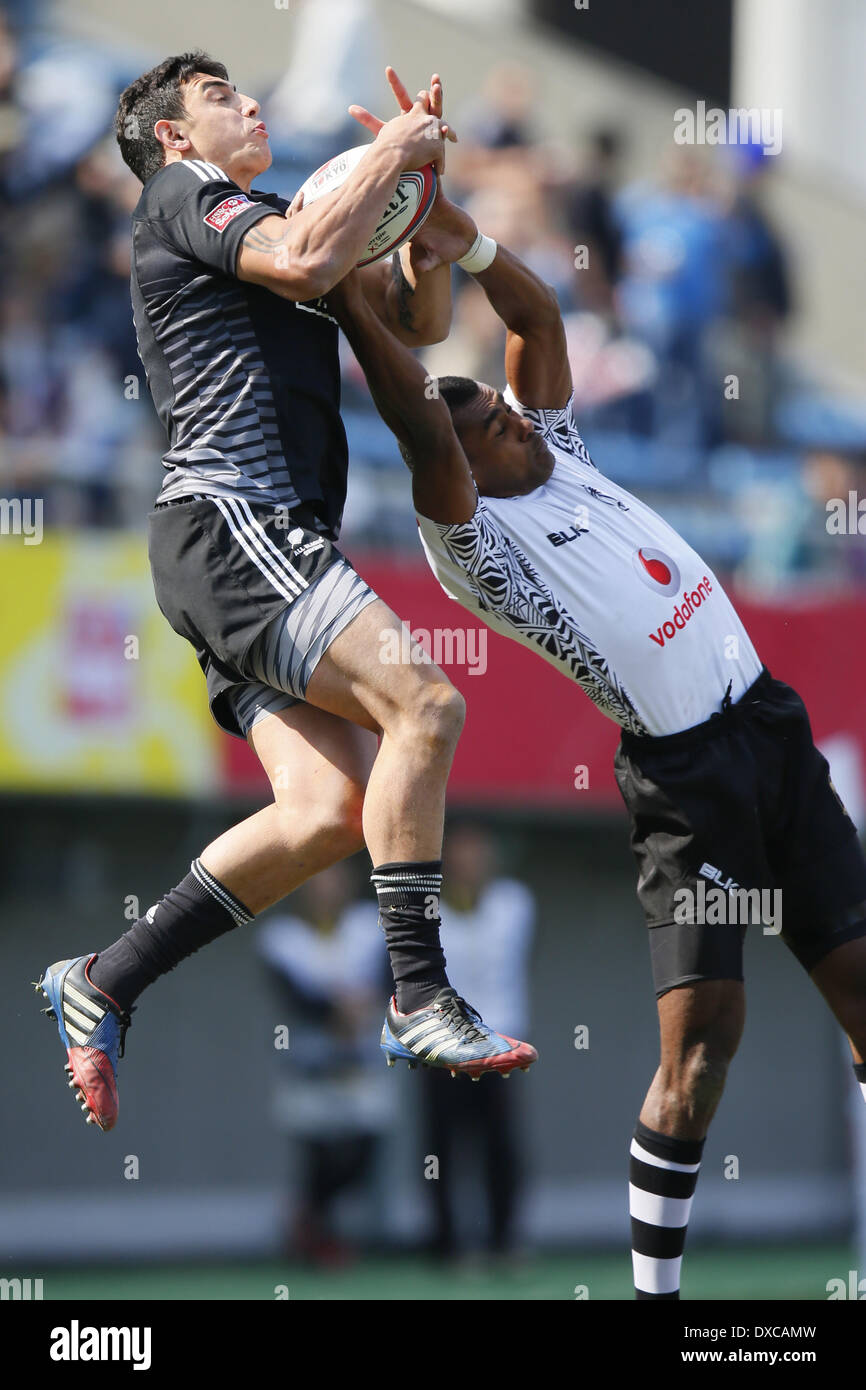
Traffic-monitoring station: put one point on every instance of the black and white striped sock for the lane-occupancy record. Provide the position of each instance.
(193, 914)
(663, 1174)
(408, 896)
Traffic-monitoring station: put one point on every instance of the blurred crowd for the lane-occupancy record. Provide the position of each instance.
(337, 1105)
(676, 292)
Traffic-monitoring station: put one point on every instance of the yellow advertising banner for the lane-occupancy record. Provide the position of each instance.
(97, 693)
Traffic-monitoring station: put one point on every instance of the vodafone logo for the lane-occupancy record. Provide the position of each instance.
(657, 570)
(683, 612)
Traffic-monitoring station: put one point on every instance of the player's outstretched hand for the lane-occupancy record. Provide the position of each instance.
(437, 97)
(437, 130)
(416, 132)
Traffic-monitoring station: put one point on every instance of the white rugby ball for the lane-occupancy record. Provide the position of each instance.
(407, 211)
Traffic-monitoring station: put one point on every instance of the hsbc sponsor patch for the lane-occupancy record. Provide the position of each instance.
(220, 216)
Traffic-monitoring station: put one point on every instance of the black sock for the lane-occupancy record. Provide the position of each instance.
(409, 916)
(660, 1200)
(860, 1073)
(197, 911)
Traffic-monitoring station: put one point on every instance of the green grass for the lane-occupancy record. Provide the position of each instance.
(743, 1273)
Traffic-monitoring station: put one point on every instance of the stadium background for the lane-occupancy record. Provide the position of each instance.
(702, 262)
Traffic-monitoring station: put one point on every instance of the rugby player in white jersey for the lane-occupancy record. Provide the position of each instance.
(724, 786)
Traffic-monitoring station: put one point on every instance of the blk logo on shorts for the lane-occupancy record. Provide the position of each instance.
(657, 570)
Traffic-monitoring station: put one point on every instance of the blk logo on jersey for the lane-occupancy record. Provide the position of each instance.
(657, 570)
(220, 216)
(563, 537)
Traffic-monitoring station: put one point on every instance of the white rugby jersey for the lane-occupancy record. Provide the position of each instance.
(598, 584)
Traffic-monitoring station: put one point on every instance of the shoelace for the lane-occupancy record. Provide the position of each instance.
(461, 1015)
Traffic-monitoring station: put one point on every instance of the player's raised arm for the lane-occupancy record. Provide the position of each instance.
(305, 255)
(414, 304)
(536, 361)
(442, 485)
(411, 297)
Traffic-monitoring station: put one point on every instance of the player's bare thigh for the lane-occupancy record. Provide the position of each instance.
(358, 679)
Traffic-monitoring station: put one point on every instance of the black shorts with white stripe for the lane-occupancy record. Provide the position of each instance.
(223, 568)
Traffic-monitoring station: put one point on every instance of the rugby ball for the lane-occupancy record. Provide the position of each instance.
(407, 211)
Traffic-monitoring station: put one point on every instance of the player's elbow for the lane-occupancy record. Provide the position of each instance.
(418, 330)
(323, 271)
(435, 329)
(545, 306)
(301, 274)
(426, 442)
(537, 316)
(312, 277)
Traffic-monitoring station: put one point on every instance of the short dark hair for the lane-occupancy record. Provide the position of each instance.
(457, 391)
(156, 96)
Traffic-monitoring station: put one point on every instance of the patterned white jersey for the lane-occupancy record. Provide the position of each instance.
(598, 584)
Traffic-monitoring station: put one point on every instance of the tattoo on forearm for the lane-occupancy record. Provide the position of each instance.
(405, 292)
(269, 242)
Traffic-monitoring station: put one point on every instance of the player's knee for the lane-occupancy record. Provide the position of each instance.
(694, 1084)
(333, 822)
(705, 1072)
(436, 714)
(344, 816)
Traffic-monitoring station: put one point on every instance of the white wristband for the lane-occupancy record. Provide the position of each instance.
(480, 254)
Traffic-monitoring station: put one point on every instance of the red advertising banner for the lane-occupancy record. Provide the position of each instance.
(532, 738)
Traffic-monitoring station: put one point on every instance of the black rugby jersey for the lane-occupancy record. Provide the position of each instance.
(246, 383)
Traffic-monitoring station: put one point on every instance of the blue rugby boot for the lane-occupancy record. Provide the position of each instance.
(450, 1034)
(92, 1028)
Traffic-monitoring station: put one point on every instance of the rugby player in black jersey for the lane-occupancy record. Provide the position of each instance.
(230, 298)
